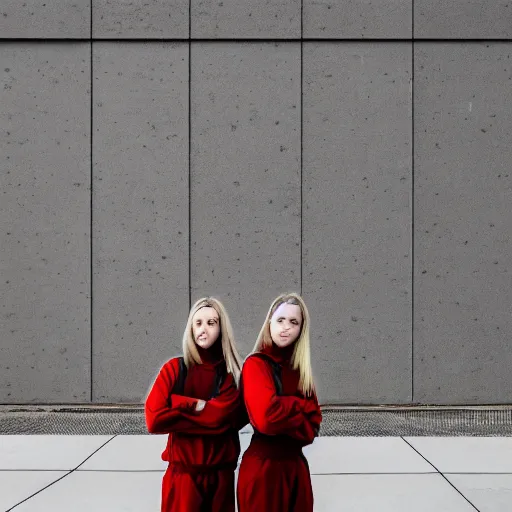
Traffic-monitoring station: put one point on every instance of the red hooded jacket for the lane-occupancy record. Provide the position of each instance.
(203, 440)
(290, 415)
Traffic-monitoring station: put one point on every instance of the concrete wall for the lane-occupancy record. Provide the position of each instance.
(358, 152)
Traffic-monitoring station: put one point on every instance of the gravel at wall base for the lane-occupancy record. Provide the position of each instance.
(337, 421)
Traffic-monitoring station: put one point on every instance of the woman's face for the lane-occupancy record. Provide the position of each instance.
(285, 324)
(205, 327)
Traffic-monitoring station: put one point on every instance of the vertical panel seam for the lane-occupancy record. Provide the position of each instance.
(301, 143)
(189, 184)
(91, 270)
(412, 204)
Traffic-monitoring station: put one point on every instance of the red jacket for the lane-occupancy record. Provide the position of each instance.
(197, 440)
(290, 414)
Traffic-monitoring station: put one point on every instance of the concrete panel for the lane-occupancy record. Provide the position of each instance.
(357, 219)
(19, 485)
(386, 493)
(127, 491)
(479, 19)
(466, 454)
(245, 183)
(463, 256)
(140, 214)
(45, 20)
(489, 493)
(279, 19)
(355, 19)
(129, 453)
(350, 455)
(45, 223)
(157, 19)
(47, 452)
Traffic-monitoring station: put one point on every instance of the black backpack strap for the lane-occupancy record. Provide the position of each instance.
(179, 385)
(220, 375)
(276, 371)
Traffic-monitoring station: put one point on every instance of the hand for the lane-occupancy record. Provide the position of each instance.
(200, 405)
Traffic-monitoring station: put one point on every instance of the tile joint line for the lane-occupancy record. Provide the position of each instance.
(440, 473)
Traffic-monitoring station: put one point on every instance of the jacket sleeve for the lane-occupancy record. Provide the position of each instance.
(164, 410)
(269, 413)
(225, 411)
(313, 413)
(311, 426)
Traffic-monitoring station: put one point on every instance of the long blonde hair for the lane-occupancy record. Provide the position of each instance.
(190, 352)
(301, 358)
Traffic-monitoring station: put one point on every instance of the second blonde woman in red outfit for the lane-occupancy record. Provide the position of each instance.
(279, 394)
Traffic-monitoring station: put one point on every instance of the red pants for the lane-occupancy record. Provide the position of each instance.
(211, 491)
(274, 484)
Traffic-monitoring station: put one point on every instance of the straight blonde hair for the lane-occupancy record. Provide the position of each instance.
(301, 358)
(231, 356)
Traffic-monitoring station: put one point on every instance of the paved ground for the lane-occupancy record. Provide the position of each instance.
(96, 473)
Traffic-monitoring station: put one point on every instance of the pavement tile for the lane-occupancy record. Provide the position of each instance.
(386, 493)
(47, 452)
(19, 485)
(87, 491)
(466, 454)
(364, 455)
(489, 493)
(129, 453)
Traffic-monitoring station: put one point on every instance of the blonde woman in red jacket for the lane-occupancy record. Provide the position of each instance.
(196, 401)
(279, 394)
